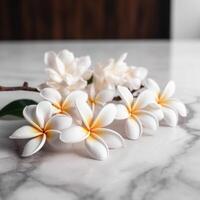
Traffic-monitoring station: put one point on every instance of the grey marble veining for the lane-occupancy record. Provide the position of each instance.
(161, 165)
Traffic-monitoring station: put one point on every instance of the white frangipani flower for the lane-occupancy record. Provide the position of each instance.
(64, 105)
(117, 72)
(134, 112)
(99, 98)
(67, 73)
(169, 106)
(97, 138)
(43, 127)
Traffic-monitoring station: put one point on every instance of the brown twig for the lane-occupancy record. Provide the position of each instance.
(24, 87)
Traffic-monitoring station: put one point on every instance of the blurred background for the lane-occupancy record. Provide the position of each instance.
(99, 19)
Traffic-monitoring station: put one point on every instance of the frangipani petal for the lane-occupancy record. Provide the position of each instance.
(126, 96)
(43, 112)
(156, 112)
(74, 134)
(141, 72)
(85, 112)
(105, 116)
(52, 60)
(144, 99)
(83, 63)
(66, 57)
(122, 112)
(59, 122)
(133, 128)
(96, 147)
(52, 95)
(170, 116)
(25, 132)
(72, 97)
(52, 135)
(178, 106)
(34, 145)
(29, 115)
(169, 90)
(105, 96)
(134, 84)
(53, 75)
(110, 137)
(152, 85)
(148, 120)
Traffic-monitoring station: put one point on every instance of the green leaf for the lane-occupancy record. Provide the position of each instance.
(16, 107)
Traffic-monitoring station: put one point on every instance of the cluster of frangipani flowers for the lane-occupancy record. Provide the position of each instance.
(75, 111)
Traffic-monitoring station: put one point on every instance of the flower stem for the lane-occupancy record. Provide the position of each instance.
(24, 87)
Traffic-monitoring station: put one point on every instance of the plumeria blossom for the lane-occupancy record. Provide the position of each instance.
(66, 73)
(98, 139)
(117, 72)
(63, 104)
(43, 127)
(165, 101)
(134, 112)
(99, 98)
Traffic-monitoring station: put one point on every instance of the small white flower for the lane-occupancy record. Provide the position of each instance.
(97, 138)
(169, 106)
(64, 105)
(67, 73)
(43, 126)
(134, 77)
(116, 73)
(99, 98)
(134, 112)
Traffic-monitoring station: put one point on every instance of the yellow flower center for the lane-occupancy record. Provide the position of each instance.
(162, 100)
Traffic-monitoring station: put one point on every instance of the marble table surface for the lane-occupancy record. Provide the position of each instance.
(159, 166)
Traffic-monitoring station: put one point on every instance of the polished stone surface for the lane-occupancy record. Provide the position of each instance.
(159, 166)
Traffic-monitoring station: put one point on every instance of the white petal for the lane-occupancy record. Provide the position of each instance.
(144, 99)
(148, 120)
(92, 92)
(52, 95)
(105, 96)
(52, 135)
(169, 90)
(87, 75)
(66, 56)
(74, 134)
(152, 85)
(59, 122)
(126, 96)
(170, 116)
(122, 112)
(122, 58)
(34, 145)
(105, 116)
(83, 63)
(53, 61)
(178, 106)
(134, 84)
(156, 112)
(133, 128)
(25, 132)
(110, 137)
(79, 85)
(50, 59)
(29, 114)
(141, 72)
(53, 75)
(73, 96)
(43, 112)
(85, 112)
(97, 147)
